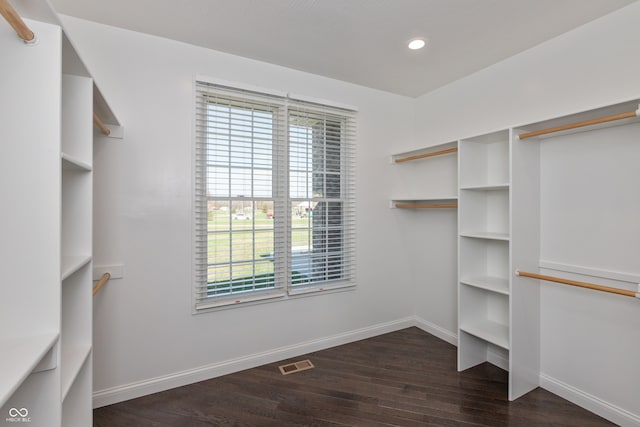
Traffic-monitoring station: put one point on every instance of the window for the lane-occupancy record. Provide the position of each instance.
(274, 196)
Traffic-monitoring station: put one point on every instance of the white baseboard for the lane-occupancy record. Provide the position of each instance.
(154, 385)
(589, 402)
(435, 330)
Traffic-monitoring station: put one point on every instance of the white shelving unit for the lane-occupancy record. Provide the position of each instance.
(498, 228)
(30, 170)
(46, 167)
(76, 245)
(498, 223)
(499, 231)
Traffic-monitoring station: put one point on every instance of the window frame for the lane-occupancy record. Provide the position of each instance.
(284, 288)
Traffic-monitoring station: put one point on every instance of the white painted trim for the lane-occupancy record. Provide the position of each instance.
(115, 131)
(321, 102)
(238, 85)
(588, 271)
(435, 330)
(154, 385)
(116, 271)
(589, 402)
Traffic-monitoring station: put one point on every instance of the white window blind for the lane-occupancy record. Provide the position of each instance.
(321, 197)
(274, 205)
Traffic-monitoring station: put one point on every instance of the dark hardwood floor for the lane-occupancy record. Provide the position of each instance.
(405, 378)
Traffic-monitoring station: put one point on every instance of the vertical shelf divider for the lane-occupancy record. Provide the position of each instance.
(524, 306)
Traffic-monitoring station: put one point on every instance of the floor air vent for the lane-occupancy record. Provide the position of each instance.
(292, 368)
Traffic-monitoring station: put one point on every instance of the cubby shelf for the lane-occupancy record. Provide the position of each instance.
(490, 331)
(493, 187)
(434, 202)
(73, 359)
(486, 235)
(71, 264)
(70, 162)
(489, 283)
(20, 356)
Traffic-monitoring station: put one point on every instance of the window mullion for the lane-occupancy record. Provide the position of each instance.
(283, 185)
(253, 204)
(230, 183)
(325, 196)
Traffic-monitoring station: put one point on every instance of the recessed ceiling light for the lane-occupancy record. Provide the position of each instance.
(416, 44)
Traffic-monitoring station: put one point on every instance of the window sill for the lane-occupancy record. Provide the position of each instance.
(271, 298)
(295, 291)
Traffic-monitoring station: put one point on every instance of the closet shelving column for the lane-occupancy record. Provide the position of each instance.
(46, 173)
(498, 223)
(76, 249)
(484, 250)
(30, 244)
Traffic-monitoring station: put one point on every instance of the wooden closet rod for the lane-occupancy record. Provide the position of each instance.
(105, 130)
(424, 156)
(426, 206)
(615, 117)
(12, 17)
(579, 284)
(104, 279)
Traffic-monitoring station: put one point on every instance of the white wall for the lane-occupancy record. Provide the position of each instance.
(145, 336)
(589, 349)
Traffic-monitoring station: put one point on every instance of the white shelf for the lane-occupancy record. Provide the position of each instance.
(484, 224)
(486, 235)
(581, 117)
(73, 358)
(20, 356)
(433, 200)
(402, 157)
(71, 264)
(488, 187)
(77, 406)
(484, 160)
(492, 332)
(70, 162)
(485, 210)
(426, 198)
(77, 117)
(489, 283)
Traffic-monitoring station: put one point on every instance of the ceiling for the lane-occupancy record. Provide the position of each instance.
(359, 41)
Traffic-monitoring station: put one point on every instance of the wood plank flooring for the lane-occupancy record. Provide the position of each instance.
(405, 378)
